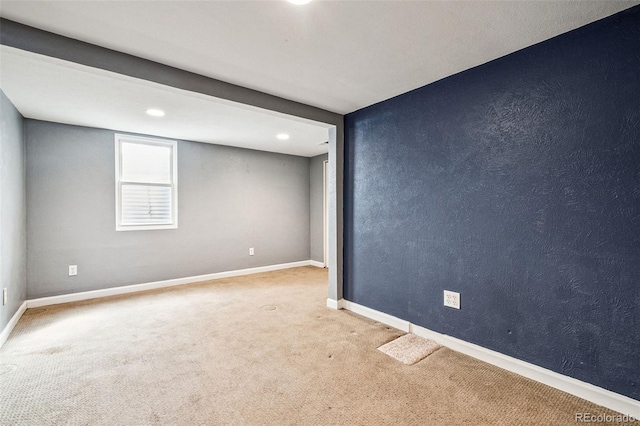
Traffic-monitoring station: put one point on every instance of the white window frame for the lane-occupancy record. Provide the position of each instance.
(119, 139)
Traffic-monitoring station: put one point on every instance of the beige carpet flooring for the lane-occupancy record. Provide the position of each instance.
(253, 350)
(409, 349)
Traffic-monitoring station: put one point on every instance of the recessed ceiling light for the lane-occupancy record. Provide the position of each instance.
(155, 112)
(298, 2)
(282, 136)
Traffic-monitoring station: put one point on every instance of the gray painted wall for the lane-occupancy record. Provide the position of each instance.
(229, 200)
(13, 246)
(316, 224)
(49, 44)
(336, 213)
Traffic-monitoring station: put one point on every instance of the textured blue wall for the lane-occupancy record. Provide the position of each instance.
(517, 184)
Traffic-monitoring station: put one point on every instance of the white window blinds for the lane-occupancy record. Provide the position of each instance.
(146, 183)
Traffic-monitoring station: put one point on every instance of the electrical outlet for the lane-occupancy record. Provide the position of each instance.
(4, 296)
(452, 299)
(251, 252)
(73, 270)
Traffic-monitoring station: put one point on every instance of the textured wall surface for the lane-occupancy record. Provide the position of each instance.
(517, 184)
(13, 246)
(229, 200)
(316, 198)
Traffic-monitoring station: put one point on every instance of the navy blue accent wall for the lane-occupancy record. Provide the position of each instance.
(517, 184)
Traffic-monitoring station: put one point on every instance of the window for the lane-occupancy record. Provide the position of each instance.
(146, 184)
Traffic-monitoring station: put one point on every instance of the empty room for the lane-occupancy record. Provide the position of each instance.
(319, 212)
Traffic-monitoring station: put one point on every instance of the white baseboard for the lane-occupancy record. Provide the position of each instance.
(12, 323)
(114, 291)
(587, 391)
(387, 319)
(335, 304)
(316, 264)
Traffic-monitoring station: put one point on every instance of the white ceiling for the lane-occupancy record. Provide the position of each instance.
(50, 89)
(337, 55)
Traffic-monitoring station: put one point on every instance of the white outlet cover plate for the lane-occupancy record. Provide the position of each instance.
(452, 299)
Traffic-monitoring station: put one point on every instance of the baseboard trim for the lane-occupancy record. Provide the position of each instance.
(12, 323)
(134, 288)
(387, 319)
(587, 391)
(335, 304)
(316, 264)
